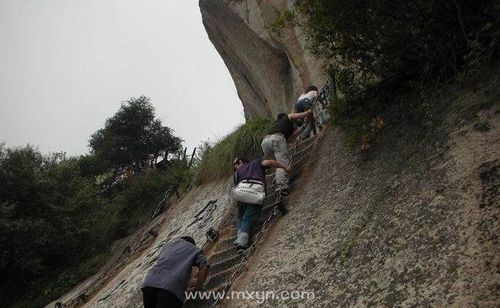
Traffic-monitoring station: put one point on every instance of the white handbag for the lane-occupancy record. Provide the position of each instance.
(249, 191)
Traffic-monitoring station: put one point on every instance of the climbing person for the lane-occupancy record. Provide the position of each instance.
(304, 103)
(275, 142)
(249, 192)
(166, 282)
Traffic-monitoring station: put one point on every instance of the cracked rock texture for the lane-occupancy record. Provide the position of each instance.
(270, 70)
(415, 223)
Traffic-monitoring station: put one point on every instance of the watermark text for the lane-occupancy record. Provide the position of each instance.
(258, 296)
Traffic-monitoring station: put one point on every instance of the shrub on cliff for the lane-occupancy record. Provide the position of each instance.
(245, 141)
(376, 48)
(381, 40)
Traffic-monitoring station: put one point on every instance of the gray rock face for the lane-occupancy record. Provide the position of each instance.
(413, 224)
(269, 70)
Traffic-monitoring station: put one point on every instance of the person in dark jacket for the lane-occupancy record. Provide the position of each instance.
(248, 213)
(166, 282)
(275, 143)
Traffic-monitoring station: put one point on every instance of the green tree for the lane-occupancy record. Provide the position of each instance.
(47, 214)
(133, 136)
(56, 224)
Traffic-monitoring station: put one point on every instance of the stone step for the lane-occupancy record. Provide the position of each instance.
(297, 165)
(226, 263)
(271, 195)
(220, 278)
(263, 218)
(296, 171)
(222, 254)
(271, 188)
(302, 144)
(303, 149)
(228, 242)
(265, 213)
(298, 158)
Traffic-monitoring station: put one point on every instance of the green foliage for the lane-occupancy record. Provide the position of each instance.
(60, 282)
(56, 229)
(374, 49)
(47, 212)
(283, 20)
(133, 136)
(387, 39)
(135, 199)
(56, 222)
(356, 110)
(481, 50)
(91, 166)
(244, 142)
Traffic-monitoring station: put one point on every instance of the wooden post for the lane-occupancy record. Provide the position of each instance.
(184, 156)
(192, 157)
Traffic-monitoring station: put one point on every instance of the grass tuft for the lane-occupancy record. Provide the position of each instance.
(244, 142)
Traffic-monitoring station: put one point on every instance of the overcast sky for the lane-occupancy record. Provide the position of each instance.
(67, 65)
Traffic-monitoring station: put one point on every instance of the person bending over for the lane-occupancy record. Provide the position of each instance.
(250, 177)
(275, 143)
(166, 282)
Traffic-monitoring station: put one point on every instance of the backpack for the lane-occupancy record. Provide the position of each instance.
(249, 191)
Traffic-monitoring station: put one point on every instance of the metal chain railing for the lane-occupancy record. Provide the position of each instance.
(323, 96)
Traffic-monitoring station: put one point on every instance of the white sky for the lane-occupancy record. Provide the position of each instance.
(66, 66)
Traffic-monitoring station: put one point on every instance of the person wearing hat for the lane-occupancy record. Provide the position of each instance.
(275, 143)
(166, 282)
(253, 172)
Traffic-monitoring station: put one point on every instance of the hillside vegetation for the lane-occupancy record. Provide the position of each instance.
(59, 215)
(244, 142)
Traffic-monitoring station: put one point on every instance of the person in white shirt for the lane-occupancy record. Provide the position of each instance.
(303, 104)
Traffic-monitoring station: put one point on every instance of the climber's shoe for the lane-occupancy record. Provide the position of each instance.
(242, 239)
(285, 192)
(283, 210)
(240, 248)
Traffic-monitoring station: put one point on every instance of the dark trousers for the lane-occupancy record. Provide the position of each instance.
(159, 298)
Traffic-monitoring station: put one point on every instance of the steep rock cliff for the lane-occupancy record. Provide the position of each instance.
(413, 224)
(269, 70)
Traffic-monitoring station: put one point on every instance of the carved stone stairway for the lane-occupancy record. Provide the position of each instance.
(225, 259)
